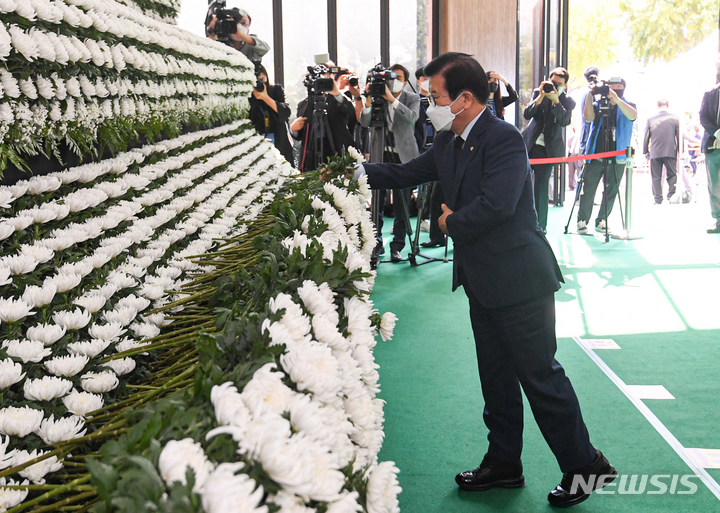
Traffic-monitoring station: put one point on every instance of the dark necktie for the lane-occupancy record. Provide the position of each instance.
(459, 141)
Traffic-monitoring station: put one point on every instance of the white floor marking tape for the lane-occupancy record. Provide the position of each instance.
(654, 421)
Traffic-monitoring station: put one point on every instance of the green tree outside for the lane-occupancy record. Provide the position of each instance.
(660, 30)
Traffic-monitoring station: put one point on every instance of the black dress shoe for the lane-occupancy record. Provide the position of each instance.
(433, 243)
(577, 486)
(714, 229)
(380, 250)
(395, 256)
(491, 474)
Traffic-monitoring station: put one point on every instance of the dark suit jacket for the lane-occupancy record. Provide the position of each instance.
(498, 244)
(548, 119)
(709, 118)
(277, 120)
(662, 135)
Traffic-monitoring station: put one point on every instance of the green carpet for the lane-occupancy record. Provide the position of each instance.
(655, 297)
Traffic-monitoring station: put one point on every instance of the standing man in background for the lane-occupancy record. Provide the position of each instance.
(550, 111)
(661, 146)
(710, 120)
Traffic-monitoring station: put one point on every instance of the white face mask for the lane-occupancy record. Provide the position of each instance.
(424, 85)
(442, 117)
(560, 89)
(397, 86)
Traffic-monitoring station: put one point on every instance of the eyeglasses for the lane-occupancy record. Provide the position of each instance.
(433, 98)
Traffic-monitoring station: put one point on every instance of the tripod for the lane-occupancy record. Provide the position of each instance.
(319, 129)
(607, 132)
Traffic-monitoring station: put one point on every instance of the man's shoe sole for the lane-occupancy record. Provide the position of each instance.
(515, 482)
(583, 497)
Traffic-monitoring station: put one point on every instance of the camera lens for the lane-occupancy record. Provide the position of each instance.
(353, 82)
(548, 88)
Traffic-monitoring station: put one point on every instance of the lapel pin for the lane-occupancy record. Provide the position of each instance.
(472, 148)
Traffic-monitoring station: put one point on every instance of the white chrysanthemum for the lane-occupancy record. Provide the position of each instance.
(177, 455)
(72, 320)
(290, 503)
(9, 498)
(387, 325)
(82, 403)
(267, 391)
(110, 332)
(5, 278)
(229, 405)
(37, 472)
(46, 388)
(10, 373)
(12, 310)
(121, 315)
(48, 334)
(293, 319)
(36, 296)
(26, 350)
(91, 302)
(145, 330)
(23, 43)
(66, 366)
(121, 366)
(19, 421)
(359, 158)
(312, 367)
(227, 490)
(383, 489)
(65, 281)
(348, 503)
(326, 331)
(60, 430)
(99, 382)
(90, 348)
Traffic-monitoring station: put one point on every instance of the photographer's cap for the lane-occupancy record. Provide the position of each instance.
(590, 71)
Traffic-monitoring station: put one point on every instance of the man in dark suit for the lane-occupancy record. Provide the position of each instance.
(402, 108)
(549, 111)
(508, 272)
(660, 146)
(710, 120)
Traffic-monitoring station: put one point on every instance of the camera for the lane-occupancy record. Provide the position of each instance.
(379, 78)
(315, 82)
(353, 81)
(227, 20)
(259, 84)
(602, 87)
(549, 87)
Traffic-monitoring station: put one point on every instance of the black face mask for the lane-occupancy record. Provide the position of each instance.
(620, 92)
(493, 87)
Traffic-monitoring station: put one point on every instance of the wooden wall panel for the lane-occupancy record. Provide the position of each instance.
(485, 29)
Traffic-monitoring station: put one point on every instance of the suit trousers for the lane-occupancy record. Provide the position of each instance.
(656, 169)
(399, 230)
(541, 178)
(712, 163)
(591, 178)
(516, 349)
(437, 198)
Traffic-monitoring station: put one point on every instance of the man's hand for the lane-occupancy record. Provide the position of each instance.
(443, 218)
(298, 124)
(354, 90)
(614, 98)
(388, 95)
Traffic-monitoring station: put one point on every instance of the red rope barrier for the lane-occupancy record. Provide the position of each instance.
(560, 160)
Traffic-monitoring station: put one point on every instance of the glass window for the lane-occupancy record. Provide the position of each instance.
(403, 35)
(305, 34)
(358, 44)
(530, 15)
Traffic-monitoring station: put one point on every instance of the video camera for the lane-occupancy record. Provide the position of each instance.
(602, 87)
(314, 81)
(227, 20)
(379, 78)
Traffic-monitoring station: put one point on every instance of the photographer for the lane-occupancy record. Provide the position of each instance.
(332, 109)
(401, 109)
(269, 113)
(497, 102)
(232, 27)
(620, 115)
(550, 111)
